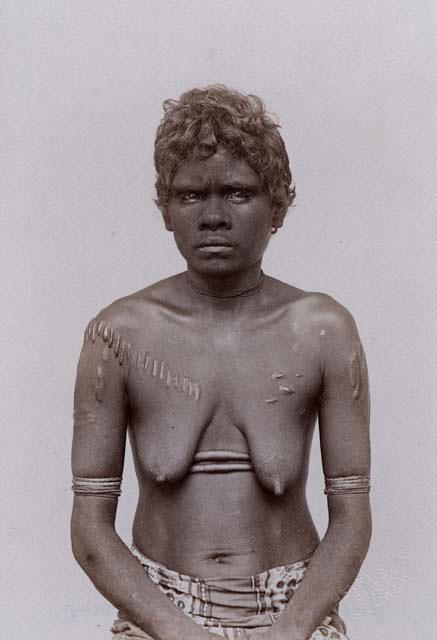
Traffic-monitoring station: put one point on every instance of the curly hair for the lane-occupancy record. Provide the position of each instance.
(201, 119)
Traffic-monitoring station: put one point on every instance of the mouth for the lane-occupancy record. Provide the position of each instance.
(218, 242)
(215, 246)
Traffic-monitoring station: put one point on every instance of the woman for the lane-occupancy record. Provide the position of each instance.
(219, 374)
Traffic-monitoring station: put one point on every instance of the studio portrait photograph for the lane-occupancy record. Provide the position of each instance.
(220, 320)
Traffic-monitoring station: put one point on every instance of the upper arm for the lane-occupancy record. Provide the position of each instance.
(100, 412)
(344, 404)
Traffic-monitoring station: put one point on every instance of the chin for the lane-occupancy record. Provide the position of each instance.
(214, 270)
(216, 266)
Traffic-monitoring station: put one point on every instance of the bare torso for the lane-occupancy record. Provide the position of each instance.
(244, 382)
(219, 362)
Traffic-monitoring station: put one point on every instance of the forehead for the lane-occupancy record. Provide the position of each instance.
(221, 167)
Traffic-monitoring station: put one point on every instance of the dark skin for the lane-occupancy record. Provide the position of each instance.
(236, 353)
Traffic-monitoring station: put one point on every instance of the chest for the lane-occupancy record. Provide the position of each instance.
(232, 390)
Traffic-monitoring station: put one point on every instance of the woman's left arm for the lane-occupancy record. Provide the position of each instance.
(345, 446)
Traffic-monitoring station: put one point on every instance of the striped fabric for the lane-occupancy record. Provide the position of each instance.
(229, 606)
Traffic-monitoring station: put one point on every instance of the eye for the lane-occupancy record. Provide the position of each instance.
(239, 195)
(191, 197)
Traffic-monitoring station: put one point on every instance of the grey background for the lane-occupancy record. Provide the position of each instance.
(354, 86)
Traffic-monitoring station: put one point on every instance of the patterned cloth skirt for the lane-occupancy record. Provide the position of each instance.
(230, 606)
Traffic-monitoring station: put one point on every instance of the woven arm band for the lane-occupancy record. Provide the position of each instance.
(110, 487)
(347, 484)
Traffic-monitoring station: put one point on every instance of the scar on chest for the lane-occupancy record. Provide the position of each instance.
(159, 370)
(284, 388)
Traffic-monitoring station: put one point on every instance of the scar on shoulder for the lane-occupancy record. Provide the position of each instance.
(357, 372)
(99, 384)
(112, 339)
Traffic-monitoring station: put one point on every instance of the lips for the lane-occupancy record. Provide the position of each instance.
(216, 242)
(215, 247)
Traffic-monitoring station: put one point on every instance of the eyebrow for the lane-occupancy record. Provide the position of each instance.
(193, 184)
(238, 183)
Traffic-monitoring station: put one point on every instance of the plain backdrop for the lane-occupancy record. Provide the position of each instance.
(354, 86)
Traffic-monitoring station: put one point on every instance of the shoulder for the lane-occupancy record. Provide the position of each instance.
(334, 334)
(314, 310)
(129, 313)
(326, 315)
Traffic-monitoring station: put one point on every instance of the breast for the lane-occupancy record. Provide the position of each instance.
(232, 413)
(279, 461)
(165, 439)
(277, 434)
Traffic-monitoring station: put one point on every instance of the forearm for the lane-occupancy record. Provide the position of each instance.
(119, 577)
(329, 576)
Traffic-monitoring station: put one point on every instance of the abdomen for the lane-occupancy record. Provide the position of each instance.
(223, 524)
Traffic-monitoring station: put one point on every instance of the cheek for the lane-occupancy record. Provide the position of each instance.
(264, 243)
(258, 231)
(183, 233)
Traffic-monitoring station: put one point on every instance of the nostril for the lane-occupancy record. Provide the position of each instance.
(213, 223)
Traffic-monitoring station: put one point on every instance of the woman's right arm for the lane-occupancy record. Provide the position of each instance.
(100, 425)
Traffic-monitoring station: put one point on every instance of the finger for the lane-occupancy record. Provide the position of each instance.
(129, 635)
(125, 629)
(135, 633)
(119, 626)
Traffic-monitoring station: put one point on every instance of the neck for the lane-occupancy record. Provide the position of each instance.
(227, 286)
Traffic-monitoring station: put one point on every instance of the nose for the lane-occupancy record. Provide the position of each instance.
(214, 216)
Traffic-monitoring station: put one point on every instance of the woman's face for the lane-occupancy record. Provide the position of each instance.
(220, 216)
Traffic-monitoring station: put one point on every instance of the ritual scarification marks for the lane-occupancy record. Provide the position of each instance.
(357, 373)
(144, 362)
(99, 384)
(284, 388)
(161, 372)
(103, 330)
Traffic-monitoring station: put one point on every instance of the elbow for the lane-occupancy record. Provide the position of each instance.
(83, 544)
(362, 526)
(353, 526)
(82, 553)
(367, 534)
(360, 542)
(92, 539)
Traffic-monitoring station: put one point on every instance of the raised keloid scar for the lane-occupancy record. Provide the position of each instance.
(159, 370)
(357, 373)
(283, 387)
(99, 384)
(103, 330)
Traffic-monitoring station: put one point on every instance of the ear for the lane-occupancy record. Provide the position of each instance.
(278, 219)
(166, 219)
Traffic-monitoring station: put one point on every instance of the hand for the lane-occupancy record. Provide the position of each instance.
(272, 633)
(124, 630)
